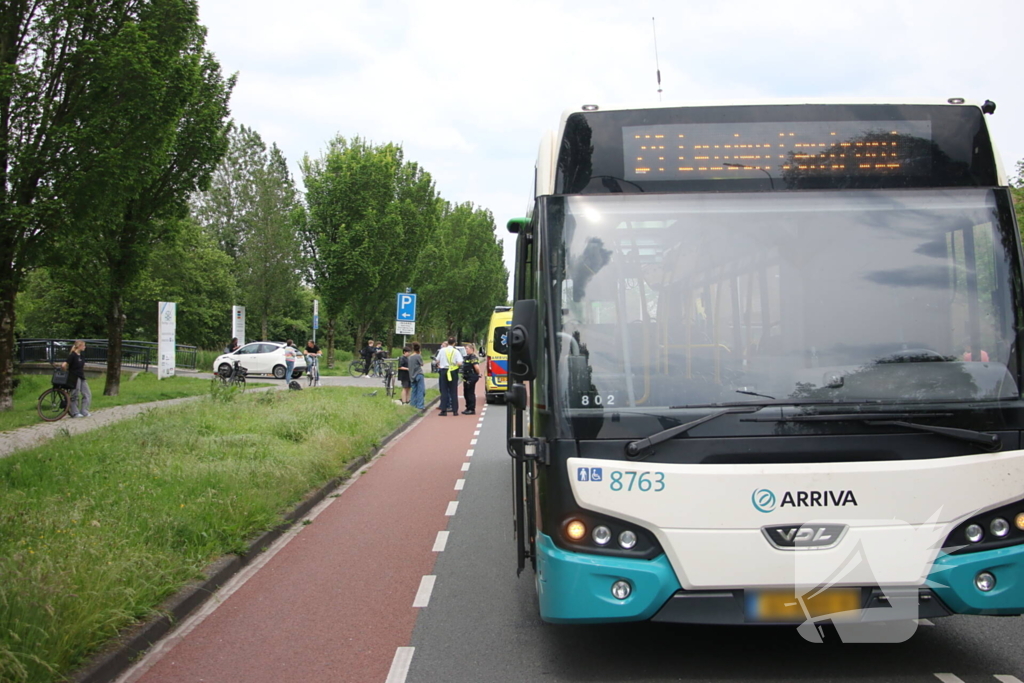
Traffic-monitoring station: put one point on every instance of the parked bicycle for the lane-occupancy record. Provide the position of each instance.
(53, 403)
(389, 380)
(377, 367)
(235, 376)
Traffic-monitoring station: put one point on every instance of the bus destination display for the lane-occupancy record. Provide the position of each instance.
(705, 151)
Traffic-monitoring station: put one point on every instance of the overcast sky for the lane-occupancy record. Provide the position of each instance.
(468, 88)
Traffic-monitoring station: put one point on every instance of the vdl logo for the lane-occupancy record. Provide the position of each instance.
(764, 500)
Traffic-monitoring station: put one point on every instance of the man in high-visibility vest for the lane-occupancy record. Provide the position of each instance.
(448, 362)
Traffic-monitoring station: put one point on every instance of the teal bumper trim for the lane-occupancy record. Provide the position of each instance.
(577, 587)
(952, 579)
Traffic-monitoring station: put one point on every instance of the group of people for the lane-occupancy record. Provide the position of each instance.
(370, 353)
(450, 362)
(410, 371)
(410, 375)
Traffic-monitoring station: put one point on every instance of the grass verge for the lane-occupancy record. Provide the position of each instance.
(142, 388)
(98, 529)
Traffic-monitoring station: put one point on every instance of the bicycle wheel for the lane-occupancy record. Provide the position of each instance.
(355, 368)
(389, 383)
(240, 383)
(53, 404)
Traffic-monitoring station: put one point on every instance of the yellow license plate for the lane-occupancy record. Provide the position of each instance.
(841, 604)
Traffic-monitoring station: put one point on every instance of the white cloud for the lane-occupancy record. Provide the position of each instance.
(468, 88)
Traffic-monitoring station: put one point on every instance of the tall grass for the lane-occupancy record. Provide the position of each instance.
(96, 530)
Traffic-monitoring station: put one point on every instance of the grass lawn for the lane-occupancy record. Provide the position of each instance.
(142, 388)
(96, 530)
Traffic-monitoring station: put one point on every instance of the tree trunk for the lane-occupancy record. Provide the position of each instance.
(263, 328)
(330, 343)
(360, 335)
(7, 294)
(115, 334)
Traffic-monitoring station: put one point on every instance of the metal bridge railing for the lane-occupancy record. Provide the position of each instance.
(134, 354)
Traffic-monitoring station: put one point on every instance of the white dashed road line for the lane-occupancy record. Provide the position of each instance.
(469, 453)
(459, 484)
(465, 467)
(473, 442)
(422, 598)
(452, 507)
(441, 541)
(400, 665)
(1007, 679)
(949, 678)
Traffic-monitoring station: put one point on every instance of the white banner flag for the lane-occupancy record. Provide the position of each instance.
(238, 324)
(165, 348)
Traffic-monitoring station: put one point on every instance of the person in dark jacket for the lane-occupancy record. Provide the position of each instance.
(367, 354)
(81, 396)
(470, 375)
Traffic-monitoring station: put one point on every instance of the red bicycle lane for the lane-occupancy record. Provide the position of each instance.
(336, 600)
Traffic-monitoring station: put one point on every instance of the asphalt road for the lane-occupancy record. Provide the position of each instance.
(482, 623)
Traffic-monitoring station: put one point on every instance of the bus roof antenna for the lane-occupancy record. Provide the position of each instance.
(657, 65)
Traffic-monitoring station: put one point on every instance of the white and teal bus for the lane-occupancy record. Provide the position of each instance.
(766, 366)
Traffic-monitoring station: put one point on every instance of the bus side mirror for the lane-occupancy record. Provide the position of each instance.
(522, 358)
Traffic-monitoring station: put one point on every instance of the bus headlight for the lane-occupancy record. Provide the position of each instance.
(602, 535)
(985, 581)
(999, 527)
(974, 533)
(575, 529)
(627, 539)
(1019, 521)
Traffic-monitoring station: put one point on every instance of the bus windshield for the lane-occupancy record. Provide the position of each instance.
(856, 295)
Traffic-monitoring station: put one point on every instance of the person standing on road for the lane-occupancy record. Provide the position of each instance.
(403, 373)
(448, 363)
(470, 375)
(367, 354)
(290, 353)
(81, 395)
(416, 378)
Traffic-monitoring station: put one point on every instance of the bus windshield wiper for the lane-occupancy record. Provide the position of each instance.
(990, 441)
(635, 449)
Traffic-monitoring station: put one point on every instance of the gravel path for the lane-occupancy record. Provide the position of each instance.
(34, 435)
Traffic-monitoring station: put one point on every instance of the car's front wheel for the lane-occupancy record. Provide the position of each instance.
(224, 370)
(279, 372)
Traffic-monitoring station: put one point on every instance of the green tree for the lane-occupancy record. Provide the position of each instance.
(190, 268)
(461, 275)
(268, 264)
(1017, 191)
(194, 138)
(252, 209)
(368, 214)
(225, 209)
(84, 112)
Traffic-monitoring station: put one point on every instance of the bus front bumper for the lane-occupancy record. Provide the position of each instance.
(952, 579)
(577, 587)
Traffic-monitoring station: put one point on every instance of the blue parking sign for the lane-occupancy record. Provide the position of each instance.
(406, 307)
